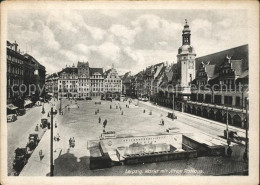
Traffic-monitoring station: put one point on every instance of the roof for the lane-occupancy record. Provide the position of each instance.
(69, 70)
(237, 53)
(236, 65)
(95, 70)
(26, 55)
(244, 75)
(210, 70)
(169, 75)
(11, 107)
(106, 72)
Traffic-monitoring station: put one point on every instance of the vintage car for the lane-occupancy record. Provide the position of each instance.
(33, 141)
(20, 160)
(21, 112)
(88, 98)
(172, 115)
(11, 117)
(44, 122)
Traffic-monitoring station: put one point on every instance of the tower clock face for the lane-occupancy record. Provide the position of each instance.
(191, 64)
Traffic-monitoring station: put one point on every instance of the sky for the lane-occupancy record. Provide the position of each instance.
(130, 39)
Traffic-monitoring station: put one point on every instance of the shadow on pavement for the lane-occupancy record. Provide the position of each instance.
(69, 165)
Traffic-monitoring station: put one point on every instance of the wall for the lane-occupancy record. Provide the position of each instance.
(173, 139)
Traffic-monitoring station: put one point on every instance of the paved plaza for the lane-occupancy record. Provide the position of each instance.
(81, 122)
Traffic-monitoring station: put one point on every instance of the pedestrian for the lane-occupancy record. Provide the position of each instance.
(116, 107)
(58, 137)
(162, 122)
(105, 123)
(95, 112)
(122, 113)
(37, 128)
(70, 142)
(56, 124)
(229, 151)
(99, 120)
(144, 110)
(126, 105)
(40, 154)
(110, 106)
(150, 112)
(73, 142)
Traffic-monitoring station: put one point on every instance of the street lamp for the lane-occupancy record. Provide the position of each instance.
(229, 150)
(245, 156)
(51, 146)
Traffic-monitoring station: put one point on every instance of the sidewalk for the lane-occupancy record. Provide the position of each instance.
(35, 166)
(193, 116)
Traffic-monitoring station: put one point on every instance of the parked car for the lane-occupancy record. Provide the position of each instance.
(79, 98)
(88, 98)
(21, 112)
(11, 117)
(145, 99)
(21, 158)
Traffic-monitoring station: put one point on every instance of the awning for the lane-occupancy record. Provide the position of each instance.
(11, 107)
(27, 102)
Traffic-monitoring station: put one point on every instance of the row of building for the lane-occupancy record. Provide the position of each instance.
(25, 78)
(82, 81)
(214, 86)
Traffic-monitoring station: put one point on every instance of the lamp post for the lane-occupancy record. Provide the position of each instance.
(229, 150)
(245, 156)
(51, 149)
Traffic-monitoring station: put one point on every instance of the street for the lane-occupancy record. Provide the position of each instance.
(81, 122)
(19, 131)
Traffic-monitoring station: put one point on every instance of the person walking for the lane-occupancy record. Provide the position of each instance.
(105, 123)
(99, 120)
(41, 154)
(110, 106)
(70, 142)
(144, 110)
(37, 128)
(56, 124)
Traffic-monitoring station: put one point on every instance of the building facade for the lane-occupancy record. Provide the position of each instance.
(112, 82)
(25, 77)
(214, 86)
(83, 81)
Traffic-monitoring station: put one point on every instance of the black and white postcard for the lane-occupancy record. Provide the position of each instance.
(129, 92)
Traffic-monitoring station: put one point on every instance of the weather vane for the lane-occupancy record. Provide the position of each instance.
(186, 21)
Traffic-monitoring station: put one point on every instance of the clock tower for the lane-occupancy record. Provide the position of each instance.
(186, 61)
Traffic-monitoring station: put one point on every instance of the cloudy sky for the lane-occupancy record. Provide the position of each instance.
(131, 39)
